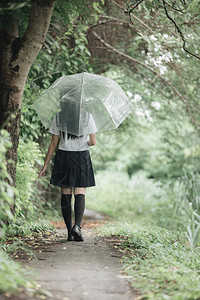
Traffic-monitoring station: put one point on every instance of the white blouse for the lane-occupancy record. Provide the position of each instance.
(79, 144)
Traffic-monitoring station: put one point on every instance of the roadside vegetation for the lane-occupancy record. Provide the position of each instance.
(147, 171)
(159, 257)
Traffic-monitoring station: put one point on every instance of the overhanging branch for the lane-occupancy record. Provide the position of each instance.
(132, 6)
(143, 65)
(157, 75)
(135, 17)
(179, 31)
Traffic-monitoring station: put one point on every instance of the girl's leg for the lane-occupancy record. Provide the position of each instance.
(79, 204)
(66, 190)
(66, 196)
(79, 207)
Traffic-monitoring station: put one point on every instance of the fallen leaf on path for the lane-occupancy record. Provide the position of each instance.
(114, 255)
(42, 297)
(8, 295)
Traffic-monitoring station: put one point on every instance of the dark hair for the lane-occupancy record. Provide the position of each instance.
(72, 136)
(69, 135)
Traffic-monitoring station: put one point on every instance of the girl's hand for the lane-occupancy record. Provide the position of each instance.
(51, 149)
(42, 172)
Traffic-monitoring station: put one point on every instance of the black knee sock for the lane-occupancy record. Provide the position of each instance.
(79, 207)
(67, 211)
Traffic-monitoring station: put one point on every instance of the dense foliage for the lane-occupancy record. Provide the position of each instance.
(148, 169)
(6, 191)
(11, 274)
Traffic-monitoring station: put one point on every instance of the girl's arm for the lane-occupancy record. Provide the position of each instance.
(52, 146)
(92, 140)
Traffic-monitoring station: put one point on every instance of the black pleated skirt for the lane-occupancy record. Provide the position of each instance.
(72, 169)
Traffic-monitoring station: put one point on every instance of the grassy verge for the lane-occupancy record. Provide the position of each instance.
(15, 278)
(12, 276)
(156, 253)
(160, 262)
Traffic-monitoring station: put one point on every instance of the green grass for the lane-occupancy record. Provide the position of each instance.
(12, 275)
(157, 256)
(23, 227)
(160, 262)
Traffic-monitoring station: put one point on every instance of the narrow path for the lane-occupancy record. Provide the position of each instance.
(88, 270)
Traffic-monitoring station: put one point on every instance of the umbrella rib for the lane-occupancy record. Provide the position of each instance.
(104, 105)
(127, 101)
(80, 103)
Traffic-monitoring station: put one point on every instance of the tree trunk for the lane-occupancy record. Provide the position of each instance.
(17, 55)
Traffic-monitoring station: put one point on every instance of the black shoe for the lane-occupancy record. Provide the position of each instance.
(70, 238)
(76, 233)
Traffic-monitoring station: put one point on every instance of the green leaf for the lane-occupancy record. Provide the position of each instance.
(194, 6)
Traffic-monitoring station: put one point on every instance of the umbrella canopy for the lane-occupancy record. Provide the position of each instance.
(73, 98)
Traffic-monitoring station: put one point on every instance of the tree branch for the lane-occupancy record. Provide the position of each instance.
(133, 6)
(143, 65)
(112, 20)
(135, 17)
(157, 75)
(168, 16)
(176, 8)
(179, 31)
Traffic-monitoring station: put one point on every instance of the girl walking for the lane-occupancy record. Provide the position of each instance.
(72, 171)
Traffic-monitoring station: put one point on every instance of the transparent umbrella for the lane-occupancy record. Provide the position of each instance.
(73, 98)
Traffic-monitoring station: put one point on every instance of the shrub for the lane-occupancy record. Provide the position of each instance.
(26, 175)
(12, 276)
(7, 192)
